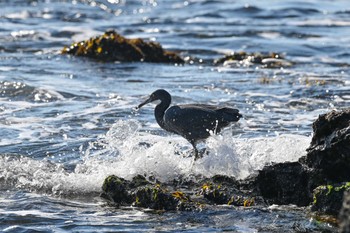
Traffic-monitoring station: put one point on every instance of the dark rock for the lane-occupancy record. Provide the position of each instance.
(138, 181)
(328, 199)
(116, 189)
(215, 193)
(266, 60)
(327, 162)
(113, 47)
(284, 183)
(154, 197)
(329, 152)
(344, 216)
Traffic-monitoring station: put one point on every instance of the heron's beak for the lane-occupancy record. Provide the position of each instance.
(149, 100)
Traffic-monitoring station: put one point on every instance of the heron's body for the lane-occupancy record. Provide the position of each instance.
(195, 122)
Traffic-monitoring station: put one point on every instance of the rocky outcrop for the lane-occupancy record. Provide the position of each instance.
(329, 152)
(111, 46)
(326, 163)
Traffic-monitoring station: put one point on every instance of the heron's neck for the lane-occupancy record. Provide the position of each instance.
(159, 112)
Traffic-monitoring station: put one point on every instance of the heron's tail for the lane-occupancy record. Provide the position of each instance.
(230, 114)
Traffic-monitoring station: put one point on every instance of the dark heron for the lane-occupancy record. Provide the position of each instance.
(195, 122)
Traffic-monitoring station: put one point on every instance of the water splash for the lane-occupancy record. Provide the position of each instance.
(126, 151)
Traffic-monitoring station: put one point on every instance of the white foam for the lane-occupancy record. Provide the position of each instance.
(126, 152)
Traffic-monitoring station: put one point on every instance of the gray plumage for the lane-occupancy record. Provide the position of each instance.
(195, 122)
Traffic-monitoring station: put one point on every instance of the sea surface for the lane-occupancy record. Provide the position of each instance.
(68, 122)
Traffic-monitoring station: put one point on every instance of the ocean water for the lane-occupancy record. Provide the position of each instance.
(68, 122)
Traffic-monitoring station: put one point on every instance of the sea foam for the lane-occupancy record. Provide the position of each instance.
(126, 151)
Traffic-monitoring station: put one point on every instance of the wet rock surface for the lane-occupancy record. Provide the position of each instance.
(283, 184)
(111, 46)
(329, 152)
(164, 196)
(344, 216)
(265, 60)
(328, 199)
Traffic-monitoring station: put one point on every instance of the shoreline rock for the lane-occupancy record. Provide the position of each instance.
(111, 46)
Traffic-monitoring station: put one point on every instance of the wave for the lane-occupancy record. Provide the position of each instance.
(126, 151)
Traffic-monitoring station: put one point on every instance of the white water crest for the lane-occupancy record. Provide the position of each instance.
(125, 151)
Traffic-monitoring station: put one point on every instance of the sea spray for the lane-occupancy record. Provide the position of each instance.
(126, 151)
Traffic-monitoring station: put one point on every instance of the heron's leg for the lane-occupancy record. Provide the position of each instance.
(195, 151)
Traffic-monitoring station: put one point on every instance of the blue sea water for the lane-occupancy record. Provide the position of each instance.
(68, 122)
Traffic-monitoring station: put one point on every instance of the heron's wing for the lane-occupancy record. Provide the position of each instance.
(192, 122)
(224, 113)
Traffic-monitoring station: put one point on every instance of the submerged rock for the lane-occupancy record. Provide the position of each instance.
(111, 46)
(267, 60)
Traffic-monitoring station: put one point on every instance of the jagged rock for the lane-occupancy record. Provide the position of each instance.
(329, 152)
(328, 199)
(344, 216)
(113, 47)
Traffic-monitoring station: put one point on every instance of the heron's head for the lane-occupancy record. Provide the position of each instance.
(159, 94)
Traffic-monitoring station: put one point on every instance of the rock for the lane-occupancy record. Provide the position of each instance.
(328, 199)
(220, 195)
(284, 183)
(154, 197)
(115, 189)
(344, 216)
(141, 193)
(189, 195)
(327, 162)
(267, 60)
(113, 47)
(329, 152)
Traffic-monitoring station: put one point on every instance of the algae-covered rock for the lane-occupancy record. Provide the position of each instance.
(140, 192)
(328, 199)
(116, 189)
(220, 194)
(344, 216)
(111, 46)
(154, 197)
(265, 60)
